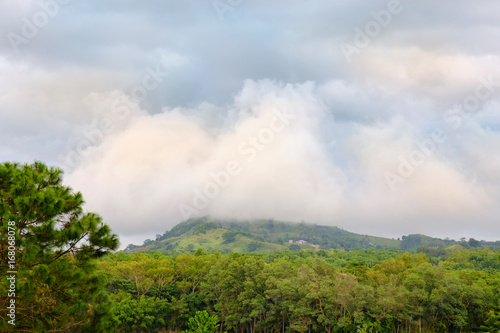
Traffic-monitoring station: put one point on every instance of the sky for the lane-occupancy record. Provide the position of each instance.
(379, 117)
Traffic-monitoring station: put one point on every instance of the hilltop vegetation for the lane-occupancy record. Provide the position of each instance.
(257, 236)
(231, 236)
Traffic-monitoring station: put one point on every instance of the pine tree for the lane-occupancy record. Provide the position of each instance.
(56, 244)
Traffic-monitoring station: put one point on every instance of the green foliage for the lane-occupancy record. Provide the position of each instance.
(311, 291)
(492, 322)
(254, 246)
(229, 236)
(474, 243)
(203, 228)
(203, 323)
(183, 227)
(58, 287)
(412, 242)
(143, 315)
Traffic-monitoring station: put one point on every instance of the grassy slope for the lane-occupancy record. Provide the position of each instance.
(259, 236)
(212, 241)
(322, 235)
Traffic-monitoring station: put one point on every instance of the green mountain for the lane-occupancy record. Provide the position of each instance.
(269, 236)
(258, 236)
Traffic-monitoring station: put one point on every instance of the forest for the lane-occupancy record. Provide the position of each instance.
(62, 274)
(308, 291)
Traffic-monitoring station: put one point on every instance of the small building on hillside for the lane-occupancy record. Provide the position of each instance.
(300, 242)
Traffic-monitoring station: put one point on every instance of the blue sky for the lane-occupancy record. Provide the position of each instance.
(379, 117)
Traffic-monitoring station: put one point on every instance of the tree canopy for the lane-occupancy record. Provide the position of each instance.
(56, 242)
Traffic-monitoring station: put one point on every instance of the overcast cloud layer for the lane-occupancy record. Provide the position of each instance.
(379, 117)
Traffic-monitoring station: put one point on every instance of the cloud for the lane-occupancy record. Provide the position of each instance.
(141, 177)
(158, 160)
(71, 96)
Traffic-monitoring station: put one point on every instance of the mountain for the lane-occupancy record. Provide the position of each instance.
(258, 236)
(268, 236)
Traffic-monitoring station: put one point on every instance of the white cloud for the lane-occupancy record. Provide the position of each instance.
(139, 177)
(65, 92)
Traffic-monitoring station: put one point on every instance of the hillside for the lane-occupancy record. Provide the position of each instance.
(258, 236)
(262, 235)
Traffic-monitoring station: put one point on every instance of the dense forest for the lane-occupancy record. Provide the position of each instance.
(61, 275)
(308, 291)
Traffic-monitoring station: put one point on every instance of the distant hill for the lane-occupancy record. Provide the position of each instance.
(268, 236)
(258, 236)
(423, 243)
